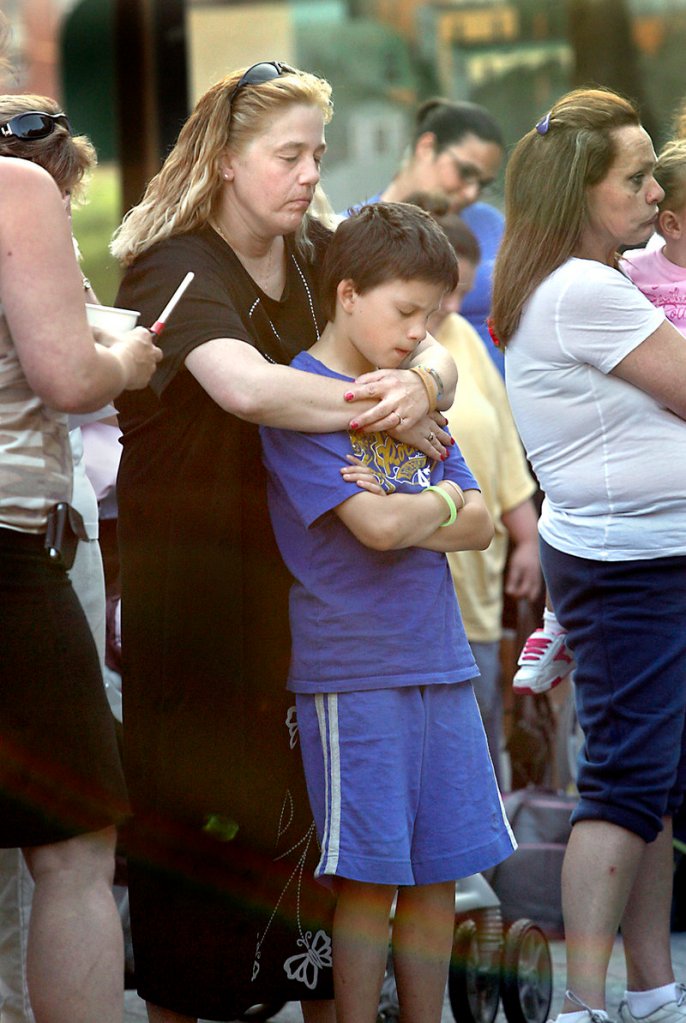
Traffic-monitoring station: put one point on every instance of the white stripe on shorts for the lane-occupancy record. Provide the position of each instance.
(327, 713)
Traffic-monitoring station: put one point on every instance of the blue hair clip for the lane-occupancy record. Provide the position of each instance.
(544, 124)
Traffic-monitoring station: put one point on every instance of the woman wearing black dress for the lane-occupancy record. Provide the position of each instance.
(224, 912)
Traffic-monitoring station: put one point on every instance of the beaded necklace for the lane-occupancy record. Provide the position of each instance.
(259, 303)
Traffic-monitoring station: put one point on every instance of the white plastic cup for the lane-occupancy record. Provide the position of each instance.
(111, 318)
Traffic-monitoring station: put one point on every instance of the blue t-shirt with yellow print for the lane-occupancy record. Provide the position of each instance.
(360, 618)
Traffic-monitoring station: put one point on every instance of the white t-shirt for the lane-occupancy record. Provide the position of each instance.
(610, 459)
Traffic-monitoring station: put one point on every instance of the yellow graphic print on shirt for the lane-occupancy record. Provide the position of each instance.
(396, 466)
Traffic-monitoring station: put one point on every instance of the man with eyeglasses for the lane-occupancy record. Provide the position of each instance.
(456, 151)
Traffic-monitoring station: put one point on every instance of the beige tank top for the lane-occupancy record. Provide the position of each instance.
(35, 456)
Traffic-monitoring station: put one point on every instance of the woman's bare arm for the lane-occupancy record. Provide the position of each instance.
(658, 367)
(241, 381)
(41, 290)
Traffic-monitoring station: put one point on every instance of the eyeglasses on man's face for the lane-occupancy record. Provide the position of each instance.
(34, 124)
(265, 71)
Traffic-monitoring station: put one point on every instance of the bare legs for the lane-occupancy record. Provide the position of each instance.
(360, 947)
(610, 876)
(646, 920)
(422, 939)
(75, 959)
(422, 942)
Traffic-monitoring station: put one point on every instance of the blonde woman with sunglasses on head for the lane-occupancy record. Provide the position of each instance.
(210, 737)
(61, 786)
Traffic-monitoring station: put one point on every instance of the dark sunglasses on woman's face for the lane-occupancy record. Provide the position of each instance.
(265, 71)
(35, 124)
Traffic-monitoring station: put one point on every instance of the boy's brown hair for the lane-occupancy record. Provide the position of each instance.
(382, 242)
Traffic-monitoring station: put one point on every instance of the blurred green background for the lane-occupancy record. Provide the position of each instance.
(93, 224)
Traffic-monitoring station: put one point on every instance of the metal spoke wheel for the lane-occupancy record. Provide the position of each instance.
(527, 974)
(474, 977)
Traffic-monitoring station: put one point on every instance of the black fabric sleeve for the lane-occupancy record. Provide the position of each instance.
(207, 310)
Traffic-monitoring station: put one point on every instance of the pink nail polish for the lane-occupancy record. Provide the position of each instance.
(348, 396)
(354, 425)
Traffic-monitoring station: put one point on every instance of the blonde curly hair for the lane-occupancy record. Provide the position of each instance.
(184, 194)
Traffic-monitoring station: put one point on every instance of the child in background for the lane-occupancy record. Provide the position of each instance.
(482, 424)
(398, 772)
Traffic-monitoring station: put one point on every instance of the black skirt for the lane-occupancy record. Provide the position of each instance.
(221, 849)
(60, 772)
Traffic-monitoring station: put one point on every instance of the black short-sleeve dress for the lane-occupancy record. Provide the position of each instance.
(221, 848)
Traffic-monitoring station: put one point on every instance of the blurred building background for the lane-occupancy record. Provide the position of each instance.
(128, 71)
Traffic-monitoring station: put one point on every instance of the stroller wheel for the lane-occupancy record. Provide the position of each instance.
(527, 974)
(474, 978)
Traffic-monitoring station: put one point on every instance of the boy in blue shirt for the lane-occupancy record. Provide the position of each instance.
(396, 761)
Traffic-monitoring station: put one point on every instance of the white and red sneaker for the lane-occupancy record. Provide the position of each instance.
(544, 662)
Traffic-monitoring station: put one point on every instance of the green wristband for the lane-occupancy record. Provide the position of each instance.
(449, 501)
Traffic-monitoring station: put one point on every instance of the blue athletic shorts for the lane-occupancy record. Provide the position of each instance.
(627, 628)
(401, 784)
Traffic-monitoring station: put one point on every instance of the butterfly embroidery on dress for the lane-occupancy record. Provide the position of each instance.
(305, 967)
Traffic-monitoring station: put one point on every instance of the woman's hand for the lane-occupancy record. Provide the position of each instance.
(361, 474)
(402, 410)
(428, 436)
(402, 400)
(138, 356)
(104, 337)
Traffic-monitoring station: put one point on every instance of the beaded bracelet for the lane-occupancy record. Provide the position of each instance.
(430, 385)
(448, 500)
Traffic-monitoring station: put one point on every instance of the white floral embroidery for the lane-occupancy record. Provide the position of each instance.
(292, 726)
(305, 967)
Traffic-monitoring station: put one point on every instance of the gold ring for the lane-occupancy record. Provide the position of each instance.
(431, 436)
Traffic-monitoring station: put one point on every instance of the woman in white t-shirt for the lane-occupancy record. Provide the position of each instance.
(596, 378)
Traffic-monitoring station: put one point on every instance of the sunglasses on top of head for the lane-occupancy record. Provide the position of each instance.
(265, 71)
(35, 124)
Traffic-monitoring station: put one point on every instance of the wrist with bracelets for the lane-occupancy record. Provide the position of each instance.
(448, 500)
(430, 385)
(458, 489)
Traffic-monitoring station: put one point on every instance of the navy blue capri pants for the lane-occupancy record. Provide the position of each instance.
(627, 627)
